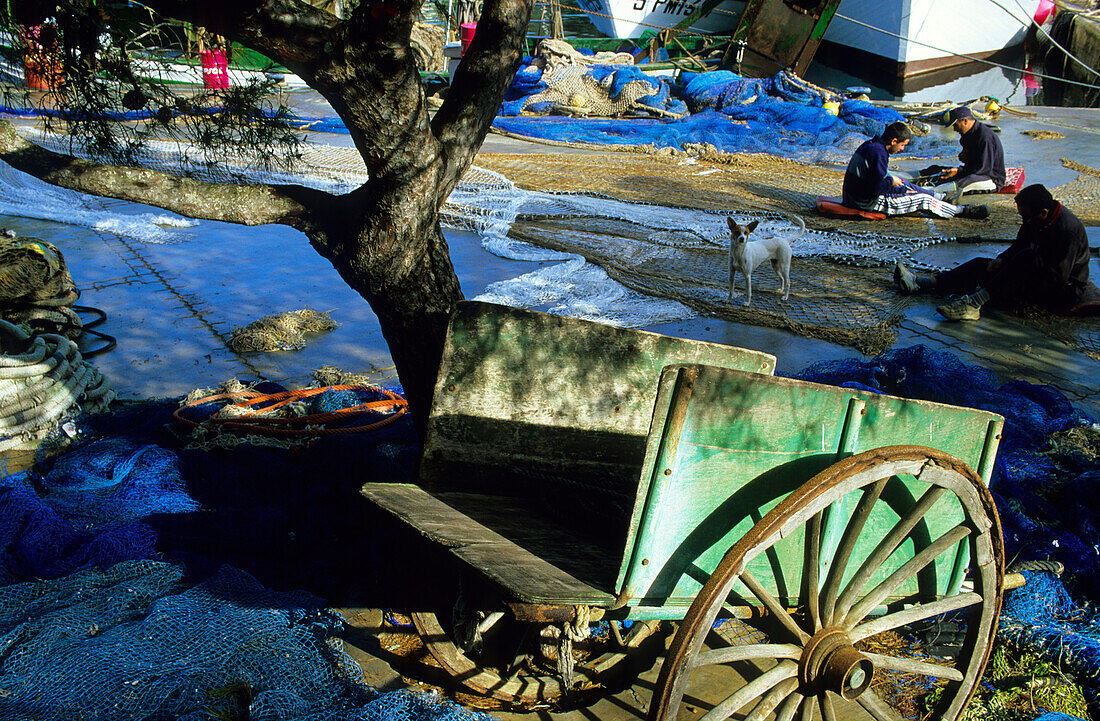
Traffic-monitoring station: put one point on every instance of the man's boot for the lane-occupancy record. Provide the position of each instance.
(975, 212)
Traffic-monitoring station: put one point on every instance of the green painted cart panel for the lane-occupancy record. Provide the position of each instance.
(727, 446)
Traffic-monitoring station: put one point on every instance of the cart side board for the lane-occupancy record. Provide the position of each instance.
(527, 397)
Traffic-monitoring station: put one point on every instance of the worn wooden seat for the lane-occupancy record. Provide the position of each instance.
(541, 578)
(834, 208)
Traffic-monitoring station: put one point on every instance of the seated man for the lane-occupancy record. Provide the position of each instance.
(1047, 265)
(867, 185)
(983, 158)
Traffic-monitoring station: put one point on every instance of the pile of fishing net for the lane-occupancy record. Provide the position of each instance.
(138, 641)
(36, 287)
(280, 331)
(560, 79)
(1044, 482)
(786, 102)
(783, 115)
(228, 416)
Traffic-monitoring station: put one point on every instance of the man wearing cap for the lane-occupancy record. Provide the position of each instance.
(868, 185)
(1047, 265)
(983, 158)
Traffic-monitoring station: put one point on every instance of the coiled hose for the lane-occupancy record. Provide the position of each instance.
(41, 377)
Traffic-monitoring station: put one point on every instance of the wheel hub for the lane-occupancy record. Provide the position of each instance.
(830, 662)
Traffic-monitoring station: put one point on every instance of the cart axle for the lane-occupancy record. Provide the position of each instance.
(830, 662)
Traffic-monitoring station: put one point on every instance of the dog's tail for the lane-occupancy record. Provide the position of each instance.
(797, 221)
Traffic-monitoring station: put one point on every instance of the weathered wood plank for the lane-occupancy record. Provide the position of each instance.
(520, 572)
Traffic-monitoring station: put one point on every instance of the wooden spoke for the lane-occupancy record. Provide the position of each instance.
(749, 652)
(761, 684)
(828, 712)
(806, 711)
(774, 606)
(773, 698)
(878, 708)
(905, 572)
(789, 707)
(913, 614)
(886, 547)
(811, 570)
(844, 549)
(910, 665)
(490, 622)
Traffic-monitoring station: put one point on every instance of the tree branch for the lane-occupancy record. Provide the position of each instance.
(290, 31)
(242, 204)
(370, 77)
(479, 84)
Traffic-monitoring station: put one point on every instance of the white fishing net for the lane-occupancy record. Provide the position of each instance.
(488, 204)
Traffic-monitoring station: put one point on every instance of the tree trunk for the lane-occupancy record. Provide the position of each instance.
(413, 314)
(390, 248)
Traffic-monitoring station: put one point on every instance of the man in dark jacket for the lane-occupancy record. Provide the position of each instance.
(1047, 265)
(868, 185)
(983, 158)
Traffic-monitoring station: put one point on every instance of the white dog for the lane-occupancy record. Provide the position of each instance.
(746, 254)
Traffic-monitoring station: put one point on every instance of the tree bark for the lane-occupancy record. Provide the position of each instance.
(384, 238)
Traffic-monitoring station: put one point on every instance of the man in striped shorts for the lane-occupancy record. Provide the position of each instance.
(868, 185)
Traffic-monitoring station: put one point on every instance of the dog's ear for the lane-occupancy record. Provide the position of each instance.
(752, 226)
(733, 225)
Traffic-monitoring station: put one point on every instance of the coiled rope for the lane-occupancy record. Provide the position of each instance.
(41, 377)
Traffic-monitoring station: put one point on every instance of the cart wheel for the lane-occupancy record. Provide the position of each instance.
(817, 653)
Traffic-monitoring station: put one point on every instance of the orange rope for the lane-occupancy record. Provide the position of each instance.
(273, 426)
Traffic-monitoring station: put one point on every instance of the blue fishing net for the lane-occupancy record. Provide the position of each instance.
(37, 541)
(1047, 501)
(138, 642)
(1043, 616)
(781, 115)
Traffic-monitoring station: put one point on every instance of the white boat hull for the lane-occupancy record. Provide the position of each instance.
(915, 35)
(923, 35)
(631, 18)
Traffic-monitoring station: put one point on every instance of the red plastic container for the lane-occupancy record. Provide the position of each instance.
(466, 34)
(215, 69)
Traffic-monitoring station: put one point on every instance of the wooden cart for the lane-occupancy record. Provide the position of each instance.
(584, 472)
